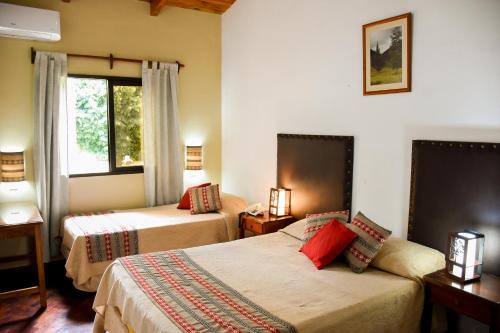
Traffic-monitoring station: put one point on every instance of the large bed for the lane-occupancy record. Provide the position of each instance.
(157, 229)
(269, 271)
(268, 280)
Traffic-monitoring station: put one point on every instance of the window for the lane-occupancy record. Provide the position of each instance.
(105, 125)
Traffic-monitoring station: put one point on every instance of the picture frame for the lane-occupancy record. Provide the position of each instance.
(387, 49)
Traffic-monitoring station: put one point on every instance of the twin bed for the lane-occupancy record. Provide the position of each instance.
(264, 284)
(149, 230)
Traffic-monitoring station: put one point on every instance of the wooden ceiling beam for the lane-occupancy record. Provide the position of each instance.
(211, 6)
(156, 6)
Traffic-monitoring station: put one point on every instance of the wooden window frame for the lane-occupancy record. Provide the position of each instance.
(113, 169)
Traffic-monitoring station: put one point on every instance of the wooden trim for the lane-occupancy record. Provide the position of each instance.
(156, 6)
(109, 58)
(19, 292)
(40, 266)
(409, 43)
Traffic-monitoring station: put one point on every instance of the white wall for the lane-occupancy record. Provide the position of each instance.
(295, 66)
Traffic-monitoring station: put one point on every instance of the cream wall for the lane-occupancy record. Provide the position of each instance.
(124, 28)
(296, 67)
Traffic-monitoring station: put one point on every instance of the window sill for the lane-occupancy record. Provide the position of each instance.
(127, 171)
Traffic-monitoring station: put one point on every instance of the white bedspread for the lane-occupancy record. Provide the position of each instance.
(271, 272)
(159, 228)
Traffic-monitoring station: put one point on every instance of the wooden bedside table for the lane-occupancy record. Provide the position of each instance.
(479, 300)
(18, 219)
(263, 224)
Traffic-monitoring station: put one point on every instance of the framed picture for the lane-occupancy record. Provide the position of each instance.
(387, 56)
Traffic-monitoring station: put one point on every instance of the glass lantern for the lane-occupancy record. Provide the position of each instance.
(465, 255)
(279, 202)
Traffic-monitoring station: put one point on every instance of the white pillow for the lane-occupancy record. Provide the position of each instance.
(408, 259)
(296, 229)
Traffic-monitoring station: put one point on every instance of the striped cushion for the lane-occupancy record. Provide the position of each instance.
(314, 222)
(205, 199)
(370, 239)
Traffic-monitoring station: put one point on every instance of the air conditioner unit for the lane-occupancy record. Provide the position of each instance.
(29, 23)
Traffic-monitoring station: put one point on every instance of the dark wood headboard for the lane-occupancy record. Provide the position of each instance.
(456, 186)
(318, 170)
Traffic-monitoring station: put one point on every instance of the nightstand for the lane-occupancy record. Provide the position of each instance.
(263, 224)
(478, 300)
(18, 219)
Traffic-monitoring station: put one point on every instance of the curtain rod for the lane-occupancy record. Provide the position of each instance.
(110, 58)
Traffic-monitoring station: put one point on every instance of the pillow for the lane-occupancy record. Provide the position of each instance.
(296, 229)
(370, 239)
(205, 199)
(408, 259)
(328, 243)
(314, 222)
(184, 203)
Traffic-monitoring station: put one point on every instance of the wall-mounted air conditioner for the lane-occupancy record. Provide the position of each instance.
(29, 23)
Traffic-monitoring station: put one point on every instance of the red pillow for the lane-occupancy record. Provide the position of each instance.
(328, 243)
(185, 203)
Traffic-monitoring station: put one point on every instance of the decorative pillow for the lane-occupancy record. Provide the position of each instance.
(205, 199)
(328, 243)
(314, 222)
(408, 259)
(370, 239)
(184, 203)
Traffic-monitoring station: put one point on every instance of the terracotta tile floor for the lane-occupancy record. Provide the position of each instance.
(68, 310)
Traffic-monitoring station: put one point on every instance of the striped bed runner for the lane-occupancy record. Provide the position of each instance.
(106, 239)
(193, 299)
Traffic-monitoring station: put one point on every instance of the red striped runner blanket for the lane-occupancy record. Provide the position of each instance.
(193, 299)
(105, 238)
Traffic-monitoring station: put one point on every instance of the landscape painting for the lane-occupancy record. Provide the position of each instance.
(387, 55)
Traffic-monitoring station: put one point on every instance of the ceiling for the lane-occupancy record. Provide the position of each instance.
(211, 6)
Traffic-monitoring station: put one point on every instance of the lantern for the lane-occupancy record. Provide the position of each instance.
(279, 202)
(465, 255)
(194, 157)
(12, 167)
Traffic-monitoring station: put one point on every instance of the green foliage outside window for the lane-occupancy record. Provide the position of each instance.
(128, 124)
(92, 117)
(92, 120)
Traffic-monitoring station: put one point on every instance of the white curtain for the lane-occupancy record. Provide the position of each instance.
(163, 164)
(50, 145)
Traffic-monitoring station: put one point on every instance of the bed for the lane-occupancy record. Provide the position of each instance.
(155, 229)
(263, 283)
(285, 284)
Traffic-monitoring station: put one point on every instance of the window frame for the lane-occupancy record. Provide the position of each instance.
(113, 169)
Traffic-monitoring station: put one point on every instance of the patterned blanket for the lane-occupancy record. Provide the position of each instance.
(194, 299)
(105, 238)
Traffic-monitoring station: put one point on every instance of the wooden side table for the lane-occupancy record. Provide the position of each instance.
(18, 220)
(263, 224)
(479, 300)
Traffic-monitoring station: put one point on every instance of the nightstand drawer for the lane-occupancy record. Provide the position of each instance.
(465, 304)
(254, 226)
(263, 224)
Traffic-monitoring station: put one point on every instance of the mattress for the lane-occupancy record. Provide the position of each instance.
(158, 228)
(269, 271)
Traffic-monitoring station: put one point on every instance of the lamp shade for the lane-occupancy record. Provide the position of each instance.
(12, 166)
(194, 158)
(465, 255)
(279, 202)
